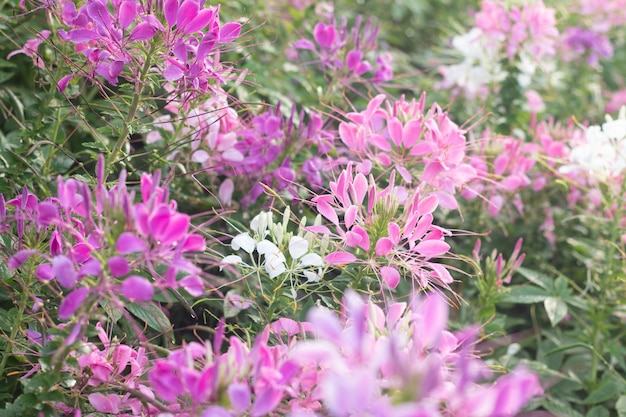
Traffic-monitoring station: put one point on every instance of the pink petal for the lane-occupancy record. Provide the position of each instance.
(48, 212)
(176, 229)
(127, 13)
(394, 232)
(64, 271)
(198, 23)
(352, 239)
(229, 32)
(193, 285)
(411, 133)
(129, 243)
(428, 204)
(44, 272)
(142, 32)
(380, 142)
(105, 403)
(304, 44)
(118, 266)
(82, 35)
(350, 215)
(325, 324)
(327, 211)
(340, 258)
(172, 73)
(64, 82)
(432, 248)
(266, 401)
(194, 243)
(353, 59)
(383, 246)
(395, 131)
(186, 13)
(390, 275)
(19, 258)
(324, 34)
(431, 170)
(239, 396)
(226, 191)
(434, 319)
(364, 243)
(71, 302)
(171, 12)
(137, 288)
(318, 229)
(442, 272)
(359, 185)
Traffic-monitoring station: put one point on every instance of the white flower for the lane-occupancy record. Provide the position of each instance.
(604, 154)
(479, 66)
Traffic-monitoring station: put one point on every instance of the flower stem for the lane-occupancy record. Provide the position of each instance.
(132, 111)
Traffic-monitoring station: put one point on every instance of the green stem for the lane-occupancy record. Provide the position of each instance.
(132, 111)
(604, 304)
(17, 322)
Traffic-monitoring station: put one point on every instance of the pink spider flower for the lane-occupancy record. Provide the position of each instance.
(369, 356)
(412, 239)
(427, 146)
(342, 51)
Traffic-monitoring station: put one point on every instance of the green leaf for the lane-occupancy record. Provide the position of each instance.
(620, 406)
(560, 407)
(568, 347)
(556, 309)
(526, 294)
(114, 314)
(606, 391)
(561, 287)
(152, 315)
(535, 277)
(598, 411)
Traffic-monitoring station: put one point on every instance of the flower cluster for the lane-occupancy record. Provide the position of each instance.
(266, 252)
(342, 51)
(526, 35)
(427, 147)
(113, 36)
(603, 155)
(369, 225)
(101, 234)
(370, 362)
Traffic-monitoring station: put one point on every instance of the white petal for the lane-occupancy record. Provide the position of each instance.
(275, 267)
(265, 246)
(312, 276)
(298, 247)
(243, 241)
(230, 260)
(311, 259)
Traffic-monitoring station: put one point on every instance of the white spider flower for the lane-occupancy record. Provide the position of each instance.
(604, 153)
